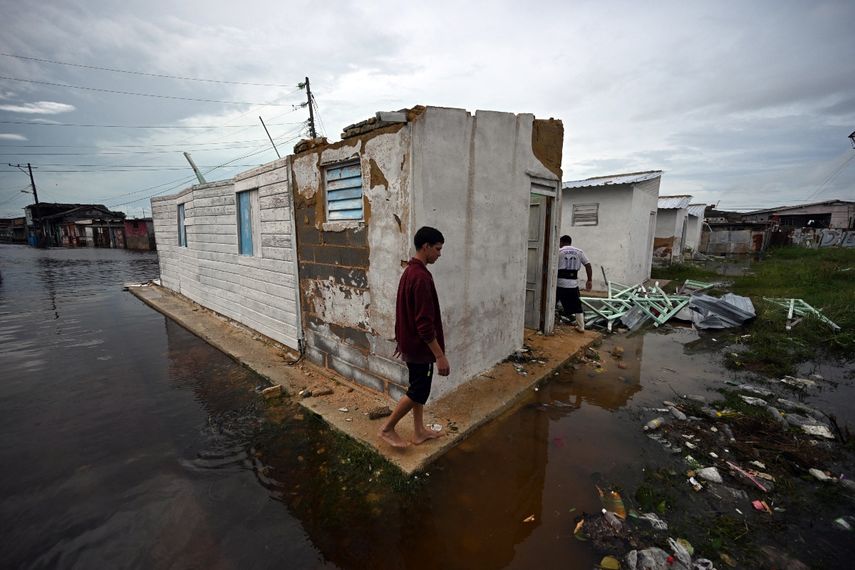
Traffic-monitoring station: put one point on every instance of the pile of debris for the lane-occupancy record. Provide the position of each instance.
(637, 305)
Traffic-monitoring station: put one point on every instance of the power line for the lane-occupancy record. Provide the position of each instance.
(90, 125)
(830, 177)
(225, 164)
(155, 95)
(162, 75)
(126, 145)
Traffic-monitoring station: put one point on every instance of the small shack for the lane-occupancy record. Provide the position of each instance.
(694, 226)
(612, 218)
(671, 228)
(308, 249)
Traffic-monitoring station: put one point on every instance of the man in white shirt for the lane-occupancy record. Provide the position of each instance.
(570, 261)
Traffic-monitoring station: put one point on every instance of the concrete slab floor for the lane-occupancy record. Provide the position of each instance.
(459, 413)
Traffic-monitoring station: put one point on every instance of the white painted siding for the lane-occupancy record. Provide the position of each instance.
(258, 291)
(621, 242)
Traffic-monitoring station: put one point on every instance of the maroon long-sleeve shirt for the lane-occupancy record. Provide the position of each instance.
(417, 318)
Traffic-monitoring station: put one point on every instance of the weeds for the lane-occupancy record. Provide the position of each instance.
(825, 278)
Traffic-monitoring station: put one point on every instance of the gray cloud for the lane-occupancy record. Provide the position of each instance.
(12, 137)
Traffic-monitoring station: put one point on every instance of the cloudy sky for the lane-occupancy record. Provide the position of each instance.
(748, 104)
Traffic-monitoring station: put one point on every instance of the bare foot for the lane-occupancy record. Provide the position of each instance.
(392, 438)
(423, 435)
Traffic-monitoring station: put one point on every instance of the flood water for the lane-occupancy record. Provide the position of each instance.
(127, 442)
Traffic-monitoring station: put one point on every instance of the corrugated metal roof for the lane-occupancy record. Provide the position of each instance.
(614, 179)
(673, 202)
(697, 210)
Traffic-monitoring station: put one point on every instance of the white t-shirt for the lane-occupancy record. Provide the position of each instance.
(570, 257)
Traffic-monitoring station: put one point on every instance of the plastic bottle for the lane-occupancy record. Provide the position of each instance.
(654, 424)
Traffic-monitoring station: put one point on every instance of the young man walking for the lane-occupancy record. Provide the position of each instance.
(570, 260)
(418, 331)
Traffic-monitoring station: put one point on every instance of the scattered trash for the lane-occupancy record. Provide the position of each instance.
(695, 485)
(647, 559)
(654, 424)
(818, 430)
(843, 524)
(727, 559)
(703, 564)
(529, 519)
(799, 383)
(677, 413)
(343, 410)
(761, 506)
(747, 476)
(654, 520)
(681, 552)
(753, 401)
(819, 475)
(710, 474)
(612, 502)
(609, 563)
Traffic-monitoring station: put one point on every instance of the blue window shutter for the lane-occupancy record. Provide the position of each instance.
(344, 192)
(244, 223)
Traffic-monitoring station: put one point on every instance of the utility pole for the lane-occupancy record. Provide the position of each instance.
(311, 111)
(268, 136)
(195, 170)
(36, 213)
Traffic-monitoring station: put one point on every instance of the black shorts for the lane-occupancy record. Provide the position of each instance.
(421, 376)
(569, 299)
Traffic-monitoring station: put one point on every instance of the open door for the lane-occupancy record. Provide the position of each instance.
(534, 270)
(541, 256)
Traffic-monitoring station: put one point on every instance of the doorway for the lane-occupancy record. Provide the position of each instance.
(539, 298)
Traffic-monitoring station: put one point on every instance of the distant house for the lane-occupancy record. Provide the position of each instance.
(308, 249)
(671, 227)
(833, 214)
(13, 230)
(74, 225)
(139, 234)
(694, 226)
(613, 218)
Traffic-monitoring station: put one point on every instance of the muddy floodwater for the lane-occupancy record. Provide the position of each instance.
(127, 442)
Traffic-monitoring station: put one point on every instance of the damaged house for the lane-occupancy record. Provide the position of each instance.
(671, 228)
(308, 249)
(694, 226)
(612, 218)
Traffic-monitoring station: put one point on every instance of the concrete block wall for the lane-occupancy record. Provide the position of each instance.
(349, 271)
(258, 291)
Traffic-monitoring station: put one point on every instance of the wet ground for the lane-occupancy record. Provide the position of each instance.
(127, 442)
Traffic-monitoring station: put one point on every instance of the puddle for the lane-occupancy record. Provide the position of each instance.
(152, 449)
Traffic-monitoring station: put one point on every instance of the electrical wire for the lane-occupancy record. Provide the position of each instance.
(90, 125)
(155, 95)
(161, 75)
(830, 177)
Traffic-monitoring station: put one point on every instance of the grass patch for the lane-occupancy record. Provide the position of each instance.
(824, 278)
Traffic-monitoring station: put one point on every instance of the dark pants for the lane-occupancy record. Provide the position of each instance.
(569, 299)
(421, 376)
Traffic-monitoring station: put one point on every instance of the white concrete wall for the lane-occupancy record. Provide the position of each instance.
(666, 223)
(621, 242)
(694, 226)
(257, 291)
(471, 179)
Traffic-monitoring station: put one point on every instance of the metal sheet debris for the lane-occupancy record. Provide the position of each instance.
(636, 305)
